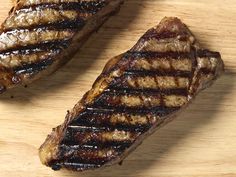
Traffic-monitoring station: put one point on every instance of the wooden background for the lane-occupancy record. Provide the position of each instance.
(200, 143)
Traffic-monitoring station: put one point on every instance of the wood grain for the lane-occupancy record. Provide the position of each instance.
(200, 143)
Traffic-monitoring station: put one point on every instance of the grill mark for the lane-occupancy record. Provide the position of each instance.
(148, 91)
(118, 146)
(21, 39)
(72, 143)
(87, 160)
(11, 61)
(85, 6)
(158, 110)
(76, 147)
(72, 25)
(174, 73)
(76, 166)
(194, 66)
(105, 116)
(87, 138)
(110, 99)
(54, 45)
(84, 128)
(154, 55)
(92, 129)
(153, 34)
(109, 127)
(161, 64)
(150, 55)
(131, 82)
(105, 124)
(33, 67)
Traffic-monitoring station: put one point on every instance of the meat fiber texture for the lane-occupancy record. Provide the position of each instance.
(39, 36)
(137, 93)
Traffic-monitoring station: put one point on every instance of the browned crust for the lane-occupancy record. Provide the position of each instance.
(10, 79)
(50, 152)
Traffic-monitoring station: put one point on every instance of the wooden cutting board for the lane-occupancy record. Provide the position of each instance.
(200, 143)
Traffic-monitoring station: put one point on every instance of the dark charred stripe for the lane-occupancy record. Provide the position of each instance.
(118, 146)
(74, 166)
(194, 66)
(143, 91)
(153, 34)
(208, 54)
(154, 55)
(120, 85)
(84, 6)
(82, 128)
(33, 67)
(107, 126)
(143, 73)
(130, 56)
(102, 121)
(43, 46)
(68, 145)
(96, 145)
(157, 111)
(105, 114)
(79, 166)
(91, 158)
(76, 137)
(85, 126)
(85, 162)
(113, 101)
(72, 25)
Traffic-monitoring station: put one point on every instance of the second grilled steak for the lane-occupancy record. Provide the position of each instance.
(39, 36)
(137, 93)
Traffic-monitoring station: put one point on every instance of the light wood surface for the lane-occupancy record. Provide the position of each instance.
(200, 143)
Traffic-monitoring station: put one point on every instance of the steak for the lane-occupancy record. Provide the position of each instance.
(137, 93)
(40, 36)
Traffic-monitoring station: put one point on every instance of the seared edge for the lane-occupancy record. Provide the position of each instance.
(137, 93)
(47, 36)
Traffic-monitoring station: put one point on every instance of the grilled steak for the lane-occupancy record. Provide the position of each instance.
(137, 93)
(39, 36)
